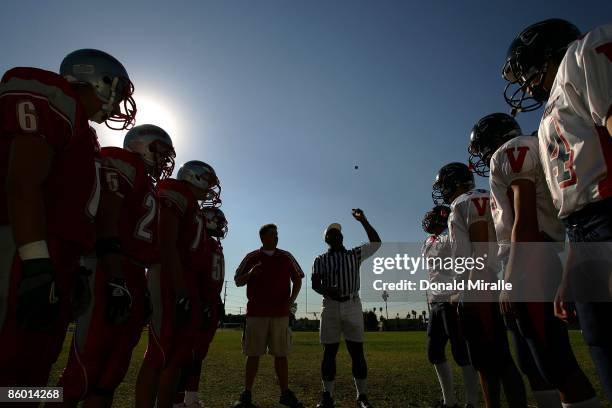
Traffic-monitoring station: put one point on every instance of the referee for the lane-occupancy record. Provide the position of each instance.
(335, 275)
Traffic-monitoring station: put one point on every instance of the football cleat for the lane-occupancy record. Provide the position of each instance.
(326, 400)
(244, 401)
(362, 402)
(289, 399)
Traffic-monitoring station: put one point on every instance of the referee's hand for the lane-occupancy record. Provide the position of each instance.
(358, 214)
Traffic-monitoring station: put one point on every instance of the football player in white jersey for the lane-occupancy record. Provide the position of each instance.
(443, 326)
(472, 235)
(523, 211)
(572, 75)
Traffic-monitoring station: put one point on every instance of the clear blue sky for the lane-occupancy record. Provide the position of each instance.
(284, 98)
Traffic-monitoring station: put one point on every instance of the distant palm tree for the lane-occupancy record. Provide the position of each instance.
(414, 314)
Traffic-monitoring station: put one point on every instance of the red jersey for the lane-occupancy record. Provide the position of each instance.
(213, 276)
(123, 173)
(177, 196)
(269, 291)
(44, 104)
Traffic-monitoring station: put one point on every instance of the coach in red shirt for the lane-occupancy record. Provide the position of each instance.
(273, 279)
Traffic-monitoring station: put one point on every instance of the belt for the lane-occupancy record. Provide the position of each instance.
(598, 207)
(345, 298)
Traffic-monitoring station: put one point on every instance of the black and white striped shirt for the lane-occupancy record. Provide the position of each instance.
(339, 269)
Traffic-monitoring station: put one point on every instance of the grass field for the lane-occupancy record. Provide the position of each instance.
(399, 373)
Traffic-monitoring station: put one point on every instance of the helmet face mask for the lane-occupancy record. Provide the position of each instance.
(527, 62)
(488, 134)
(449, 181)
(164, 155)
(120, 107)
(436, 219)
(110, 82)
(216, 223)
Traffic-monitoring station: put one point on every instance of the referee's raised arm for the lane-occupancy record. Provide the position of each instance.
(373, 236)
(359, 215)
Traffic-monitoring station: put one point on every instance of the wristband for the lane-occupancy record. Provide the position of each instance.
(34, 250)
(107, 246)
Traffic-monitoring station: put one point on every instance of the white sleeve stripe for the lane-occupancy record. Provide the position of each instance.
(239, 270)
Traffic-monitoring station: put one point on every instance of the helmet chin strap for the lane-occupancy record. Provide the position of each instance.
(106, 110)
(107, 107)
(100, 116)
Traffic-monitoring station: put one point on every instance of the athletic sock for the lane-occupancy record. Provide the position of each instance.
(547, 398)
(328, 386)
(362, 386)
(472, 385)
(590, 403)
(191, 397)
(445, 378)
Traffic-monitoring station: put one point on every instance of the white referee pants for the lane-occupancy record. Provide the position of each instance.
(341, 319)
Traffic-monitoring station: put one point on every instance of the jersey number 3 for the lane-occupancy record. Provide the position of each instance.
(560, 151)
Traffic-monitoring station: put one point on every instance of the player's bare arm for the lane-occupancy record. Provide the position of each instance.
(522, 194)
(30, 160)
(564, 308)
(479, 233)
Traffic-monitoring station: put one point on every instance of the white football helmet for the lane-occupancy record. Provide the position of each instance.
(202, 176)
(110, 81)
(216, 223)
(155, 148)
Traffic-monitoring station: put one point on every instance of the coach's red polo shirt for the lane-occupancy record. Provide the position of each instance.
(269, 291)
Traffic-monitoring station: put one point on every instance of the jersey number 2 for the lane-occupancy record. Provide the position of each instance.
(143, 228)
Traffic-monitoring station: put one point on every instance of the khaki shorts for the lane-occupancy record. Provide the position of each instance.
(266, 334)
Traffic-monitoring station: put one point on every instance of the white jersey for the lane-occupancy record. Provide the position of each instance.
(438, 246)
(466, 210)
(518, 159)
(575, 147)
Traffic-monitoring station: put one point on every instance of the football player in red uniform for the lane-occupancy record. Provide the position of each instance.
(177, 310)
(49, 193)
(126, 244)
(211, 281)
